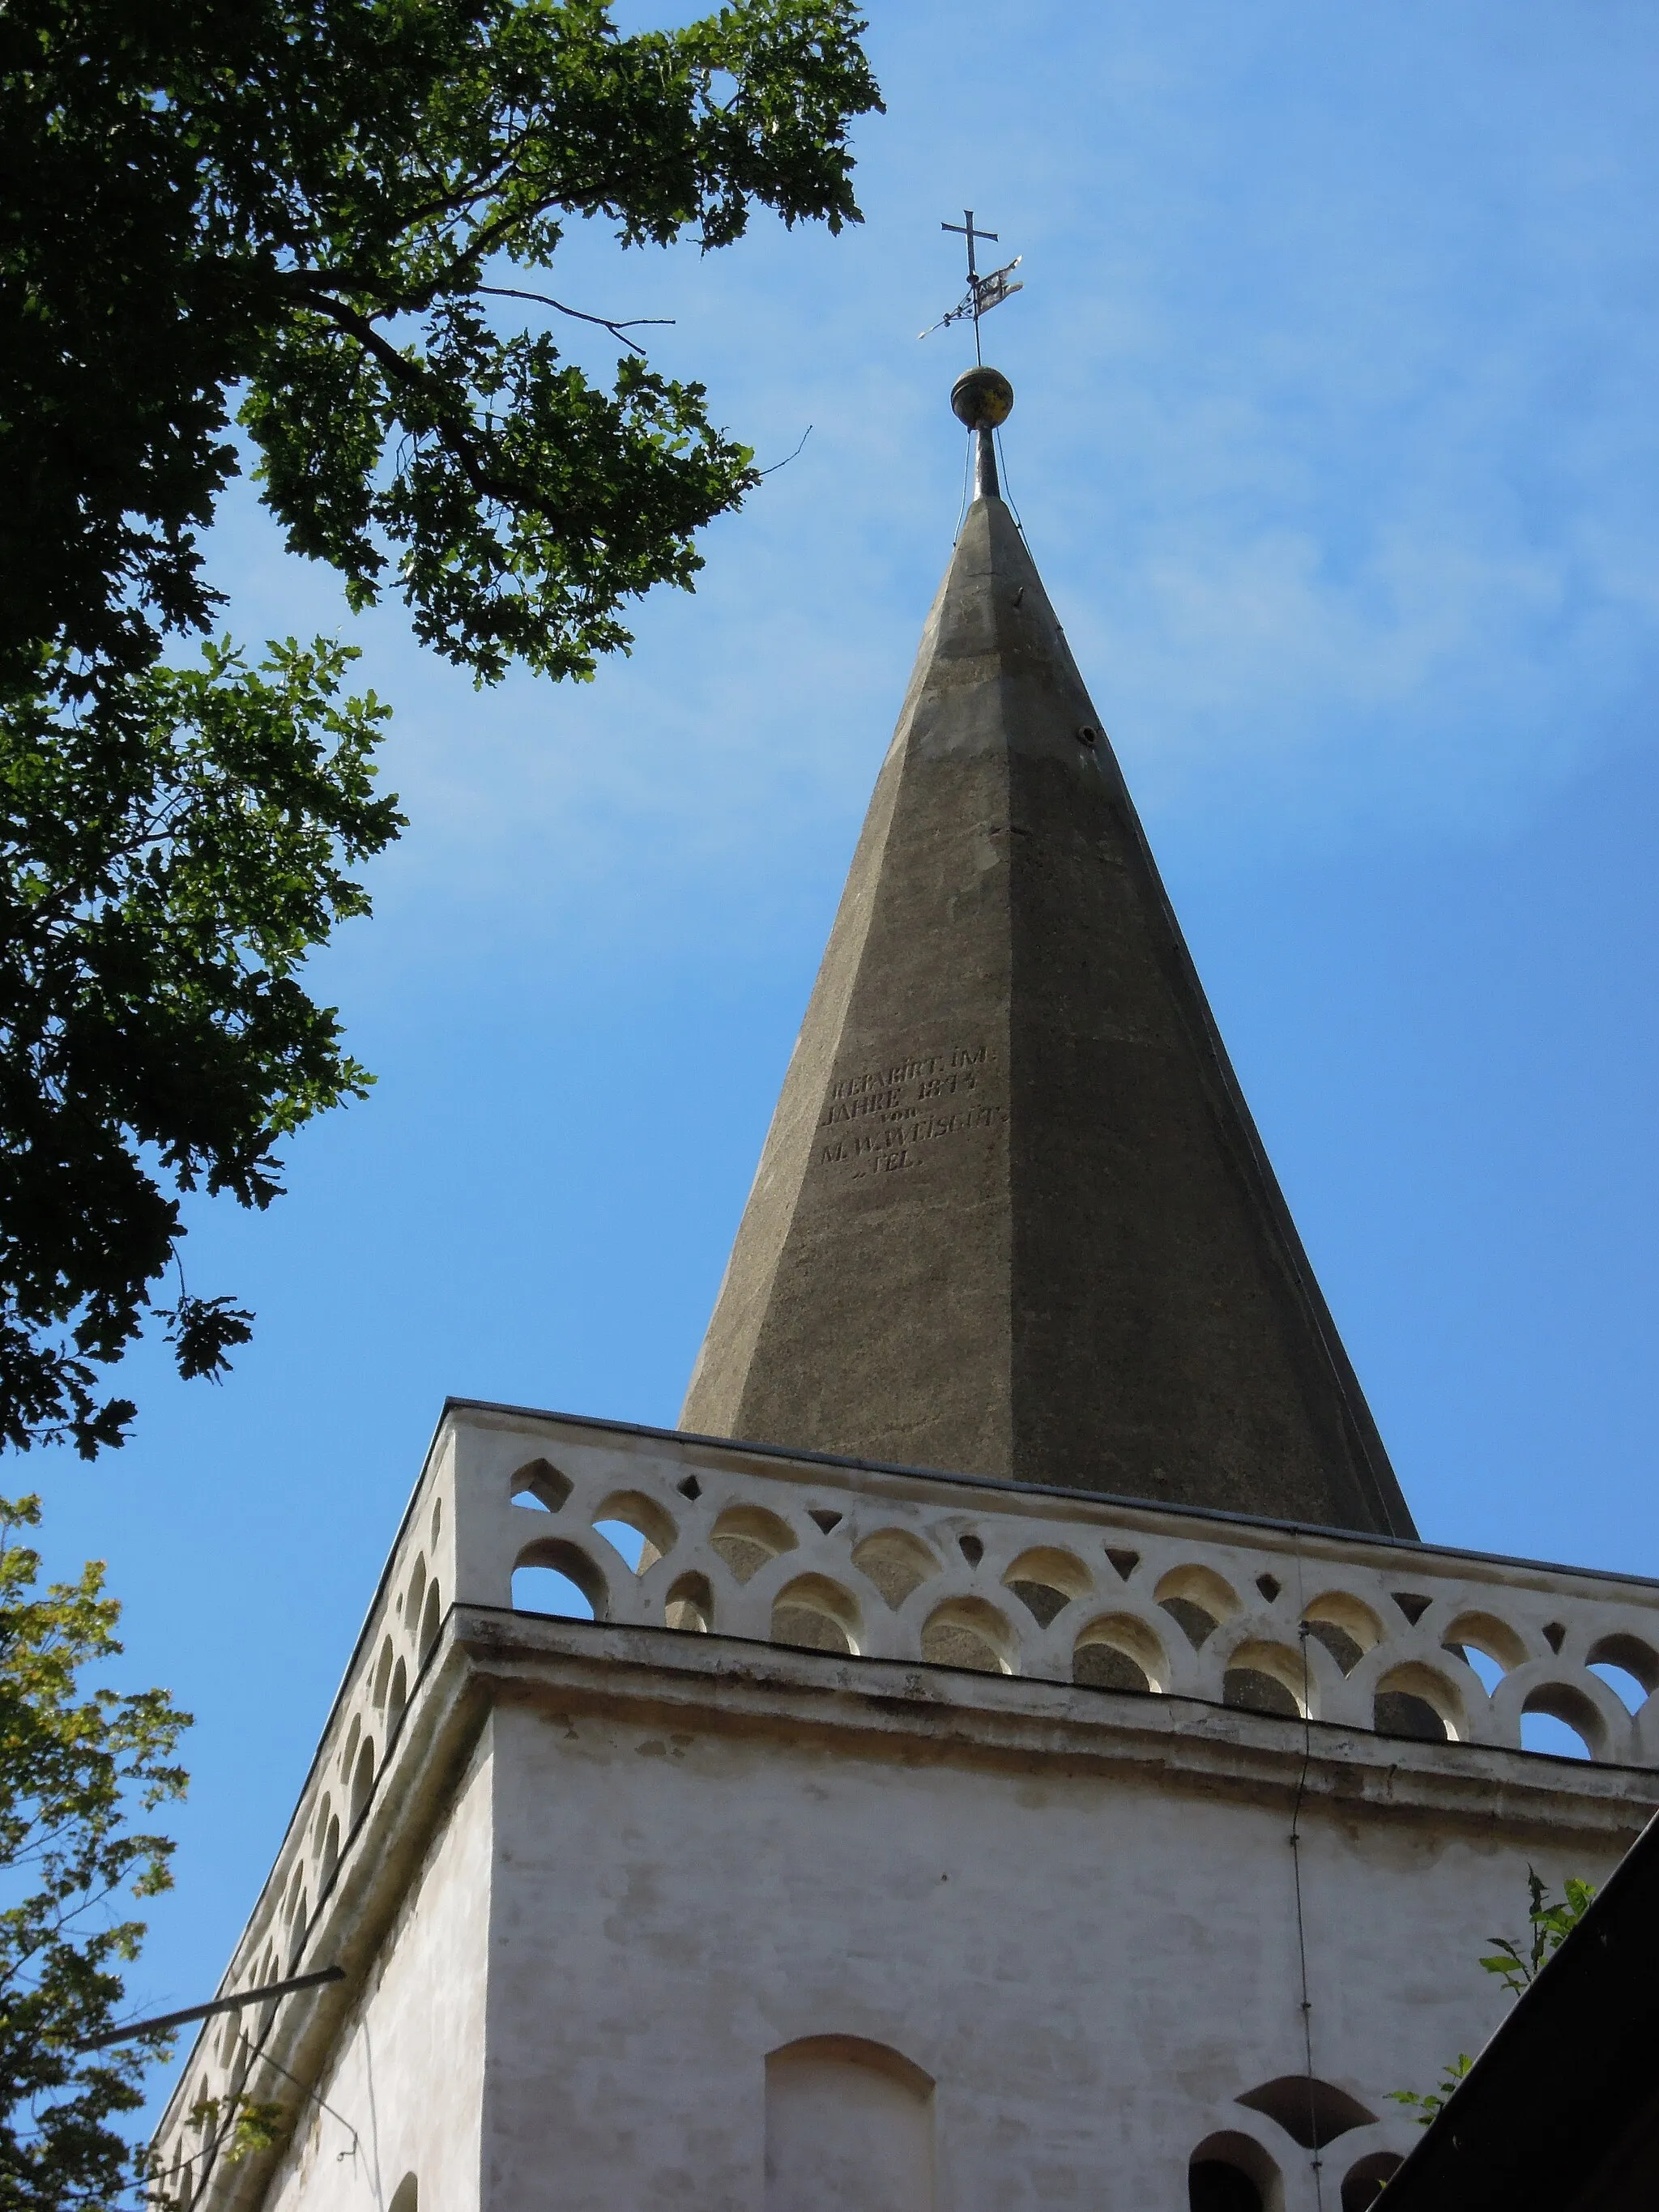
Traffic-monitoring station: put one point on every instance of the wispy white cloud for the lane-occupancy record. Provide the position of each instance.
(1334, 442)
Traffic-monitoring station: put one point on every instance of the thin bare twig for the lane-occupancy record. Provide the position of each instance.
(617, 330)
(787, 458)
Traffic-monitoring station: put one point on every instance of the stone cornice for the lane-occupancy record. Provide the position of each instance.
(884, 1709)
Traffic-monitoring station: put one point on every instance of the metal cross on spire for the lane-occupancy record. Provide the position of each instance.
(965, 230)
(983, 293)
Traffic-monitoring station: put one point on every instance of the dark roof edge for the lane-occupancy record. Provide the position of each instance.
(1528, 2125)
(1413, 1546)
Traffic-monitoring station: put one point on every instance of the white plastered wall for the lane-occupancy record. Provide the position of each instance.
(1091, 1967)
(406, 2075)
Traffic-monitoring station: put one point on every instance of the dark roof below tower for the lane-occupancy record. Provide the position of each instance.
(1013, 1217)
(1560, 2112)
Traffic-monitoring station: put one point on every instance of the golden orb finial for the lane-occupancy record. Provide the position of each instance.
(982, 399)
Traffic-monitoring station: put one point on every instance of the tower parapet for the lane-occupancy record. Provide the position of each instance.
(884, 1614)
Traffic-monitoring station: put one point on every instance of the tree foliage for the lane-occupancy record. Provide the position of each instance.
(309, 203)
(1549, 1924)
(173, 851)
(1517, 1966)
(320, 220)
(80, 1766)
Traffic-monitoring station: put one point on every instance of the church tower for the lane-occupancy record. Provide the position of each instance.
(1008, 1751)
(1013, 1217)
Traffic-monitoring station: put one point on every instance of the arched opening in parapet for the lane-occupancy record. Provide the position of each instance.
(414, 1594)
(747, 1537)
(362, 1780)
(431, 1621)
(1230, 2173)
(406, 2197)
(1628, 1667)
(1418, 1702)
(895, 1562)
(1266, 1678)
(1046, 1579)
(539, 1484)
(382, 1674)
(1119, 1652)
(690, 1604)
(966, 1631)
(1625, 1685)
(1362, 2185)
(180, 2176)
(397, 1697)
(1560, 1720)
(554, 1577)
(296, 1914)
(849, 2123)
(1311, 2112)
(267, 2012)
(1344, 1626)
(1198, 1600)
(325, 1841)
(637, 1527)
(815, 1614)
(1489, 1646)
(298, 1926)
(233, 2053)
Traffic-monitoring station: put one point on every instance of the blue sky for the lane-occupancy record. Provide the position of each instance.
(1335, 443)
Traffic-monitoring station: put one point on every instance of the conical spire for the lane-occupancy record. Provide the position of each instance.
(1013, 1217)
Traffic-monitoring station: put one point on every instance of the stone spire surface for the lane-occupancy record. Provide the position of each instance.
(1013, 1217)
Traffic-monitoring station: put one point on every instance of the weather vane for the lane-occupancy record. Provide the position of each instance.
(983, 293)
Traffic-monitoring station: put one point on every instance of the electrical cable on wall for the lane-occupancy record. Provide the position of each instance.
(356, 2140)
(1314, 2159)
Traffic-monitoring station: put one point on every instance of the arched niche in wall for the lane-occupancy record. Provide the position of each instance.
(1362, 2183)
(1230, 2172)
(407, 2196)
(847, 2124)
